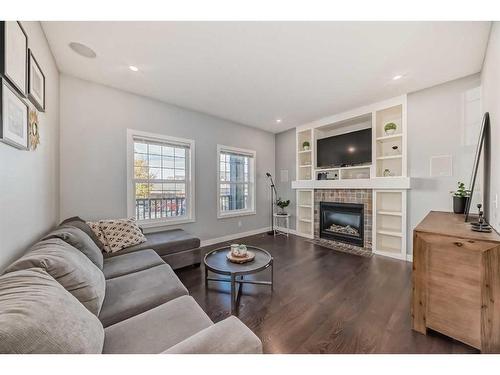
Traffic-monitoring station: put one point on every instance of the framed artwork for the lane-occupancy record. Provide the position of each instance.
(13, 117)
(36, 83)
(14, 55)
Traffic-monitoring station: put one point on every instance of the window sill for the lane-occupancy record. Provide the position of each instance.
(235, 214)
(150, 224)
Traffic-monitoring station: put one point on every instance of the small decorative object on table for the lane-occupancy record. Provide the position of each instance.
(282, 204)
(240, 254)
(481, 225)
(390, 128)
(387, 173)
(305, 145)
(460, 197)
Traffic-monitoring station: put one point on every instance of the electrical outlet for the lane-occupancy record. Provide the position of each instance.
(239, 223)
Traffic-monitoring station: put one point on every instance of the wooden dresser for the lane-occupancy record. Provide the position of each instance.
(456, 281)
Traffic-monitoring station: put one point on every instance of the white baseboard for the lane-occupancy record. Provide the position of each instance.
(230, 237)
(291, 231)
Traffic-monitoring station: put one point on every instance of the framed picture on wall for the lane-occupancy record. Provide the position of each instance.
(36, 83)
(13, 117)
(14, 55)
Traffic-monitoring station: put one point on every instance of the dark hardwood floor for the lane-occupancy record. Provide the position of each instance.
(324, 301)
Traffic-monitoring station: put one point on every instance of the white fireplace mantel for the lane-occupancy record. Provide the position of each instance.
(381, 183)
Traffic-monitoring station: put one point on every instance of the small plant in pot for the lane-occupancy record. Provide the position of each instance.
(305, 145)
(390, 128)
(460, 197)
(282, 204)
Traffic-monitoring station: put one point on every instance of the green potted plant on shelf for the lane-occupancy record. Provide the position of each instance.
(282, 204)
(305, 145)
(460, 197)
(390, 128)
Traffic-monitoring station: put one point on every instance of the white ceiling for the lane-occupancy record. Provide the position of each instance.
(256, 72)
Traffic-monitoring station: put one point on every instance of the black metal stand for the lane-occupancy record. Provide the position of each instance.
(273, 190)
(271, 232)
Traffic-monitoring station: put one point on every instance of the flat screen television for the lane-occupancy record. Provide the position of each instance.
(345, 150)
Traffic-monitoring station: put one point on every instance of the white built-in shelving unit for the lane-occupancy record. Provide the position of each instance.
(389, 223)
(386, 175)
(305, 171)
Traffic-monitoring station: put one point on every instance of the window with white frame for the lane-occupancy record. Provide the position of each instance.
(161, 188)
(236, 181)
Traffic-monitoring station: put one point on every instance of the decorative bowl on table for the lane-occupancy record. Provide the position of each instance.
(240, 254)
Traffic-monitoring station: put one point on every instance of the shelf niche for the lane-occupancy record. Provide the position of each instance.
(387, 158)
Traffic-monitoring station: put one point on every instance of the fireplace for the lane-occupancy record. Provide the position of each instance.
(343, 222)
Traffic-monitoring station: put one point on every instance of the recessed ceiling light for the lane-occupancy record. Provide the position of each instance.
(82, 50)
(278, 120)
(396, 77)
(133, 68)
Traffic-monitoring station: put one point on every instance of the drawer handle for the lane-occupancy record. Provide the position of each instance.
(459, 244)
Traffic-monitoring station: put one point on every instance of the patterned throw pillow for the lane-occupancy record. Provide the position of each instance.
(94, 225)
(121, 233)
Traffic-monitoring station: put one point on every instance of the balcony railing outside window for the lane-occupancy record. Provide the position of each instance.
(158, 208)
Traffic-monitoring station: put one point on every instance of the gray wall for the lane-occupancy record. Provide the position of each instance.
(491, 102)
(285, 160)
(437, 119)
(29, 180)
(94, 119)
(439, 123)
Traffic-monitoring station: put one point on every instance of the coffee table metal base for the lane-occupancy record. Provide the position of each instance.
(239, 279)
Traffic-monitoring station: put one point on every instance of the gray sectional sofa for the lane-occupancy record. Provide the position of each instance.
(63, 296)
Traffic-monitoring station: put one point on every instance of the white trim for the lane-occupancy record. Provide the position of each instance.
(357, 112)
(235, 213)
(252, 175)
(390, 255)
(190, 178)
(230, 237)
(159, 223)
(379, 183)
(290, 231)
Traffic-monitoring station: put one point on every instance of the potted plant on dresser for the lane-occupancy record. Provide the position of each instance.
(460, 197)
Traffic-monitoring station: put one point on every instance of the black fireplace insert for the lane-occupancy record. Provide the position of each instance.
(343, 222)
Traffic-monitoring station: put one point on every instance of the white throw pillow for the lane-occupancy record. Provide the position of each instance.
(121, 233)
(94, 225)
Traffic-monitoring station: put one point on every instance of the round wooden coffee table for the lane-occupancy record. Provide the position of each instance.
(216, 261)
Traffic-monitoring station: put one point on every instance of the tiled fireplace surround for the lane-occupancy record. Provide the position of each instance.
(361, 196)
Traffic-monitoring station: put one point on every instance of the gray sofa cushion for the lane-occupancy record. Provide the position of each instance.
(229, 336)
(164, 243)
(129, 263)
(37, 315)
(80, 240)
(82, 225)
(157, 329)
(73, 270)
(137, 292)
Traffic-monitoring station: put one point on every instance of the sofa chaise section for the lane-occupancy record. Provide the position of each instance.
(176, 247)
